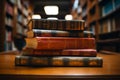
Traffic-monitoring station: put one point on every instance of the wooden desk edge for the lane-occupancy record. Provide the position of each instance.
(58, 77)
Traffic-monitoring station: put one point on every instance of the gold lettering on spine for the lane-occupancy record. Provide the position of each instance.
(93, 63)
(76, 63)
(57, 62)
(40, 61)
(24, 61)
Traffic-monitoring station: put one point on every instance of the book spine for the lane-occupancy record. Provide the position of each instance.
(58, 24)
(58, 61)
(57, 43)
(68, 52)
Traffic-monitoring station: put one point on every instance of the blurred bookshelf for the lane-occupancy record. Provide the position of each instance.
(103, 19)
(15, 17)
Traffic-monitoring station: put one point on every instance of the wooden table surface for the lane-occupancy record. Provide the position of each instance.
(110, 69)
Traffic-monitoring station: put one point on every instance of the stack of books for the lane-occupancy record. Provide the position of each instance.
(58, 43)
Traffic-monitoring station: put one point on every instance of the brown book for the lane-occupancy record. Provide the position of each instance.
(66, 52)
(59, 43)
(56, 24)
(58, 61)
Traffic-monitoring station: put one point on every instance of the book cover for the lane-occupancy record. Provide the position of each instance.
(66, 52)
(58, 61)
(59, 43)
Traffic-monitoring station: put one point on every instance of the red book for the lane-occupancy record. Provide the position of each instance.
(59, 43)
(66, 52)
(34, 52)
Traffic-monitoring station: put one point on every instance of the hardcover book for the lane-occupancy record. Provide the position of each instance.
(58, 33)
(59, 43)
(56, 24)
(47, 33)
(58, 61)
(67, 52)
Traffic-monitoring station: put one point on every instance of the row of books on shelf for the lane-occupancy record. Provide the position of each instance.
(106, 7)
(19, 4)
(109, 25)
(25, 11)
(22, 20)
(9, 46)
(21, 30)
(84, 12)
(20, 17)
(8, 22)
(92, 29)
(25, 21)
(49, 48)
(16, 12)
(8, 40)
(12, 1)
(9, 9)
(110, 6)
(8, 36)
(9, 26)
(9, 16)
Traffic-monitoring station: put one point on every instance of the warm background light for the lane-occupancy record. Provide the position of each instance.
(68, 17)
(36, 16)
(53, 18)
(51, 10)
